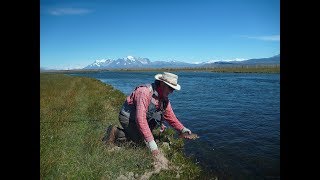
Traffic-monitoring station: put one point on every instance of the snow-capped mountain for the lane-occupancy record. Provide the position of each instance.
(128, 62)
(99, 63)
(137, 62)
(134, 62)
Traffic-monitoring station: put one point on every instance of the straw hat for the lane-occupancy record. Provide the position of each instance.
(170, 79)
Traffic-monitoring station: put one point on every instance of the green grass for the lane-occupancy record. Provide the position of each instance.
(248, 69)
(74, 112)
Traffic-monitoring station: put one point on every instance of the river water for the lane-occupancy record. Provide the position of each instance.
(236, 115)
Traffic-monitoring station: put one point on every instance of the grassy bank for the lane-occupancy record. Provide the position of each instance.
(74, 112)
(222, 69)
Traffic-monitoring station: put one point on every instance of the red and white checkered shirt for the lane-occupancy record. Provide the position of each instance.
(141, 98)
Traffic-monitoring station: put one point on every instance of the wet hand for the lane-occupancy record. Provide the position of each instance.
(184, 130)
(187, 134)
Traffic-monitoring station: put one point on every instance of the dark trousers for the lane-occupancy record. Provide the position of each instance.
(130, 129)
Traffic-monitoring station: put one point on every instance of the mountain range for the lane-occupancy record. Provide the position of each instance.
(137, 62)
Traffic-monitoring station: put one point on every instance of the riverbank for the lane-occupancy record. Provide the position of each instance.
(74, 113)
(222, 69)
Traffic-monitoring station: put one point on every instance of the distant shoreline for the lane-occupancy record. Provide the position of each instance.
(234, 69)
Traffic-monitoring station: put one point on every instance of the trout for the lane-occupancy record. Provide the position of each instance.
(186, 135)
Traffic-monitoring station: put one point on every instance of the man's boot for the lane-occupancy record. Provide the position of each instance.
(120, 136)
(110, 135)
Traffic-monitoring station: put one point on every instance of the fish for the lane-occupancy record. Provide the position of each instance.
(186, 135)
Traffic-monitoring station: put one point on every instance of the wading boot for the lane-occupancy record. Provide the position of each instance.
(110, 135)
(120, 136)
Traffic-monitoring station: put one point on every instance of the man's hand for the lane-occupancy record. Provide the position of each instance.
(160, 161)
(184, 130)
(187, 134)
(155, 152)
(152, 145)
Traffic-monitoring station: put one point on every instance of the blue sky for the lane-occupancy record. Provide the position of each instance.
(75, 33)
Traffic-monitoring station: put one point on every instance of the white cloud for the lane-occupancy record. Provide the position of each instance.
(235, 59)
(68, 11)
(64, 67)
(225, 60)
(265, 38)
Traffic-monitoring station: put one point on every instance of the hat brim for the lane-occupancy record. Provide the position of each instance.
(177, 87)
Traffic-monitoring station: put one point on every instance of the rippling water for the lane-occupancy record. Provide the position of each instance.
(237, 116)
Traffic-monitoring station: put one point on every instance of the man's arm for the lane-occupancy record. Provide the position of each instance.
(142, 101)
(171, 118)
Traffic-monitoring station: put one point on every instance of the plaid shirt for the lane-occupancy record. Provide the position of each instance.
(141, 98)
